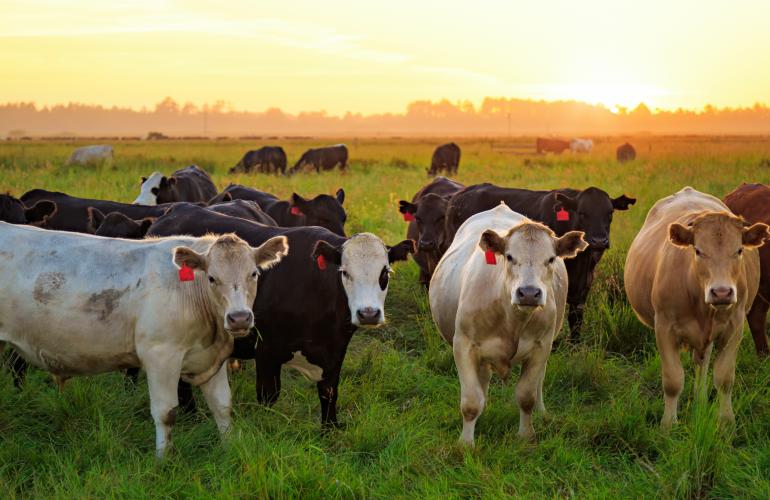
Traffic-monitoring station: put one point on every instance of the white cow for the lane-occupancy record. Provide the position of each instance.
(149, 190)
(90, 154)
(502, 313)
(76, 304)
(581, 145)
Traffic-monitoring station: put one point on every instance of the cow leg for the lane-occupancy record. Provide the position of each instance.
(163, 370)
(18, 368)
(701, 362)
(327, 394)
(540, 402)
(268, 383)
(724, 373)
(575, 319)
(217, 393)
(472, 395)
(132, 376)
(532, 373)
(757, 319)
(672, 372)
(186, 399)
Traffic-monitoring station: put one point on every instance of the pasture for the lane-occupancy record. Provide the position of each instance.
(399, 393)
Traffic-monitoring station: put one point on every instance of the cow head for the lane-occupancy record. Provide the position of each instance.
(150, 187)
(530, 250)
(323, 210)
(117, 225)
(429, 214)
(591, 212)
(232, 269)
(717, 241)
(167, 192)
(14, 211)
(364, 266)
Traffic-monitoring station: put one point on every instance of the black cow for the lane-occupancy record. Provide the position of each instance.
(625, 152)
(309, 306)
(562, 210)
(15, 211)
(190, 184)
(267, 159)
(117, 225)
(426, 214)
(445, 158)
(322, 159)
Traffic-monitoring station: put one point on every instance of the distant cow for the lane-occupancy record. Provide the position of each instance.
(191, 184)
(563, 210)
(15, 211)
(625, 153)
(752, 202)
(557, 146)
(90, 154)
(581, 145)
(446, 158)
(322, 159)
(427, 227)
(691, 274)
(267, 159)
(79, 305)
(498, 296)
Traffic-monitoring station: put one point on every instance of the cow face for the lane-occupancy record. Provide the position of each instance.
(530, 250)
(232, 269)
(323, 210)
(429, 216)
(167, 192)
(364, 266)
(591, 212)
(14, 211)
(148, 195)
(117, 225)
(717, 241)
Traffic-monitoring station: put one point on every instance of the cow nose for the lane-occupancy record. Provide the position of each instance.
(240, 320)
(721, 295)
(528, 296)
(368, 316)
(600, 243)
(426, 244)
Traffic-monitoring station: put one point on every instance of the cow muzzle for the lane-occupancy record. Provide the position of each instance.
(601, 243)
(368, 316)
(426, 245)
(721, 296)
(238, 323)
(528, 296)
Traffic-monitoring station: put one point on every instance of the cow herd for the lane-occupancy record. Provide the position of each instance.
(188, 276)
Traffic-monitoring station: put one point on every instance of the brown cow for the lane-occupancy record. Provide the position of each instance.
(557, 146)
(445, 158)
(625, 152)
(691, 274)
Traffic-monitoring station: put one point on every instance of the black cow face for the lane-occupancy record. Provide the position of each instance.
(117, 225)
(166, 190)
(429, 216)
(14, 211)
(591, 212)
(323, 210)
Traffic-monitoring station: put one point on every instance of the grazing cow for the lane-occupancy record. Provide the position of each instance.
(190, 184)
(498, 296)
(322, 159)
(691, 274)
(625, 153)
(426, 214)
(557, 146)
(308, 307)
(581, 145)
(90, 154)
(445, 158)
(15, 211)
(323, 210)
(267, 159)
(563, 210)
(752, 202)
(79, 305)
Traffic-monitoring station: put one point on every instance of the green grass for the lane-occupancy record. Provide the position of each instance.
(399, 394)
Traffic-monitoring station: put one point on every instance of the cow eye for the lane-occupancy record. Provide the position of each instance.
(740, 251)
(254, 274)
(154, 191)
(384, 276)
(551, 260)
(212, 280)
(345, 274)
(697, 252)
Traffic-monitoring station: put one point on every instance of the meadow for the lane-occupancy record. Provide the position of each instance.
(399, 393)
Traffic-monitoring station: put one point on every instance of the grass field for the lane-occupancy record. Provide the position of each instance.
(399, 393)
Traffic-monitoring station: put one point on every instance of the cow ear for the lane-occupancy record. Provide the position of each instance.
(298, 201)
(622, 202)
(171, 181)
(491, 241)
(680, 235)
(340, 195)
(144, 179)
(570, 244)
(271, 252)
(40, 212)
(330, 253)
(163, 183)
(566, 201)
(401, 251)
(185, 256)
(756, 235)
(144, 225)
(405, 207)
(95, 219)
(222, 197)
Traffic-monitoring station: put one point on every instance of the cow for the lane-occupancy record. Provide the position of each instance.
(267, 159)
(625, 153)
(322, 159)
(307, 308)
(191, 184)
(15, 211)
(589, 210)
(557, 146)
(498, 297)
(426, 213)
(752, 202)
(90, 154)
(581, 145)
(323, 210)
(445, 158)
(78, 304)
(691, 274)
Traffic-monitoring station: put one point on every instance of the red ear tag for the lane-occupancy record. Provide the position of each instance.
(408, 217)
(186, 273)
(321, 261)
(490, 257)
(295, 211)
(562, 215)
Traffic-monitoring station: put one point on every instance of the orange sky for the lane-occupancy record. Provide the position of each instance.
(378, 56)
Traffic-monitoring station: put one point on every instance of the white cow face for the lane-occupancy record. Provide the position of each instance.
(232, 269)
(530, 250)
(149, 191)
(364, 266)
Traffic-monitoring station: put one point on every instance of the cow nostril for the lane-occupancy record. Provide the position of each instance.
(368, 314)
(529, 293)
(239, 317)
(722, 292)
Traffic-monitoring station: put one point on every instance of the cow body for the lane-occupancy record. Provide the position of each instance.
(322, 159)
(557, 146)
(446, 158)
(267, 159)
(90, 154)
(625, 153)
(581, 145)
(691, 274)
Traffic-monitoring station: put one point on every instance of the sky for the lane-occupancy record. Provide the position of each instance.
(377, 56)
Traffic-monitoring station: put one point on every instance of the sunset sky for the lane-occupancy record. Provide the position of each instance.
(364, 56)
